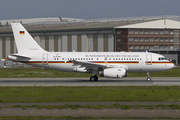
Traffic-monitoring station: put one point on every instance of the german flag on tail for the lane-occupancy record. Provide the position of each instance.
(21, 32)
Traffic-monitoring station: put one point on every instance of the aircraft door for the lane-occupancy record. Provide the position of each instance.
(105, 59)
(45, 59)
(148, 59)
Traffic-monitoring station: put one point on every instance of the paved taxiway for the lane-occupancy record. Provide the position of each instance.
(91, 112)
(7, 110)
(138, 81)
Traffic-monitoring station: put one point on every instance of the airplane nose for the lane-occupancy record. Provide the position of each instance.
(171, 65)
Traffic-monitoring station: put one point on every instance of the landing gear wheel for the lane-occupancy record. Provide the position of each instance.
(148, 79)
(92, 78)
(96, 78)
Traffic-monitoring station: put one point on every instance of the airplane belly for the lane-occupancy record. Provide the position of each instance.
(62, 67)
(148, 68)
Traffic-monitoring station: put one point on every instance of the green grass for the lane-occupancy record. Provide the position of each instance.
(42, 73)
(37, 72)
(89, 94)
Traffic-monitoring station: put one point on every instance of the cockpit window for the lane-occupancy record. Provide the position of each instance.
(161, 58)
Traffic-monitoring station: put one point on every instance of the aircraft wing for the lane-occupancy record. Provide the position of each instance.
(89, 65)
(97, 66)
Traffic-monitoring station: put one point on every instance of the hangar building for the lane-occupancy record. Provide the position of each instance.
(154, 33)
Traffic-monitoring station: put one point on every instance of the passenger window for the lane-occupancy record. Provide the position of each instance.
(121, 58)
(129, 58)
(62, 58)
(132, 59)
(97, 58)
(113, 58)
(91, 58)
(109, 58)
(137, 58)
(84, 58)
(78, 58)
(54, 58)
(57, 58)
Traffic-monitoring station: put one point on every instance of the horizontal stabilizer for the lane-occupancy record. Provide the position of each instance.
(20, 55)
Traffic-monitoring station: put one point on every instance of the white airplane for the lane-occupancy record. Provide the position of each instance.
(106, 64)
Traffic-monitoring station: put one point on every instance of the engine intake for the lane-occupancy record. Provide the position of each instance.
(113, 73)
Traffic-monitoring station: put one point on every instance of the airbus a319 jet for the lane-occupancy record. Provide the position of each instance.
(106, 64)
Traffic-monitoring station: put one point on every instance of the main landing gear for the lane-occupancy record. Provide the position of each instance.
(148, 77)
(93, 78)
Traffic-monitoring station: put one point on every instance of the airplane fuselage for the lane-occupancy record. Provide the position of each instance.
(132, 61)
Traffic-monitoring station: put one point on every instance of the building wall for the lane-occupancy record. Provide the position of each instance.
(122, 40)
(147, 39)
(63, 43)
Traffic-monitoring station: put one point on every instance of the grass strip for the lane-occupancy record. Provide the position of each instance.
(89, 94)
(80, 117)
(116, 105)
(43, 73)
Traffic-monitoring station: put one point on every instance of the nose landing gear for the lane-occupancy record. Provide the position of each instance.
(148, 77)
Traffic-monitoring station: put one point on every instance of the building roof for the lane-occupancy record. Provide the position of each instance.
(159, 24)
(69, 24)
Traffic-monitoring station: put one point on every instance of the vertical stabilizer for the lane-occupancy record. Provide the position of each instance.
(24, 41)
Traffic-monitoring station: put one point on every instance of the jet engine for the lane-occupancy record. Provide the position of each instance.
(113, 73)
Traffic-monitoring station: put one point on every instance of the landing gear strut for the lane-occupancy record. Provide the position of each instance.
(148, 77)
(93, 78)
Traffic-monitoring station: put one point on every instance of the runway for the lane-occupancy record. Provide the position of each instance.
(138, 81)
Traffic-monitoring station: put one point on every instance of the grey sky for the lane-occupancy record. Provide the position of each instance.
(87, 9)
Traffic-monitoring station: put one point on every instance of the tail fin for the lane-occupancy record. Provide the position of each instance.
(24, 41)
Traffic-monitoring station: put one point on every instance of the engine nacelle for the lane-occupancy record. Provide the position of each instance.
(113, 73)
